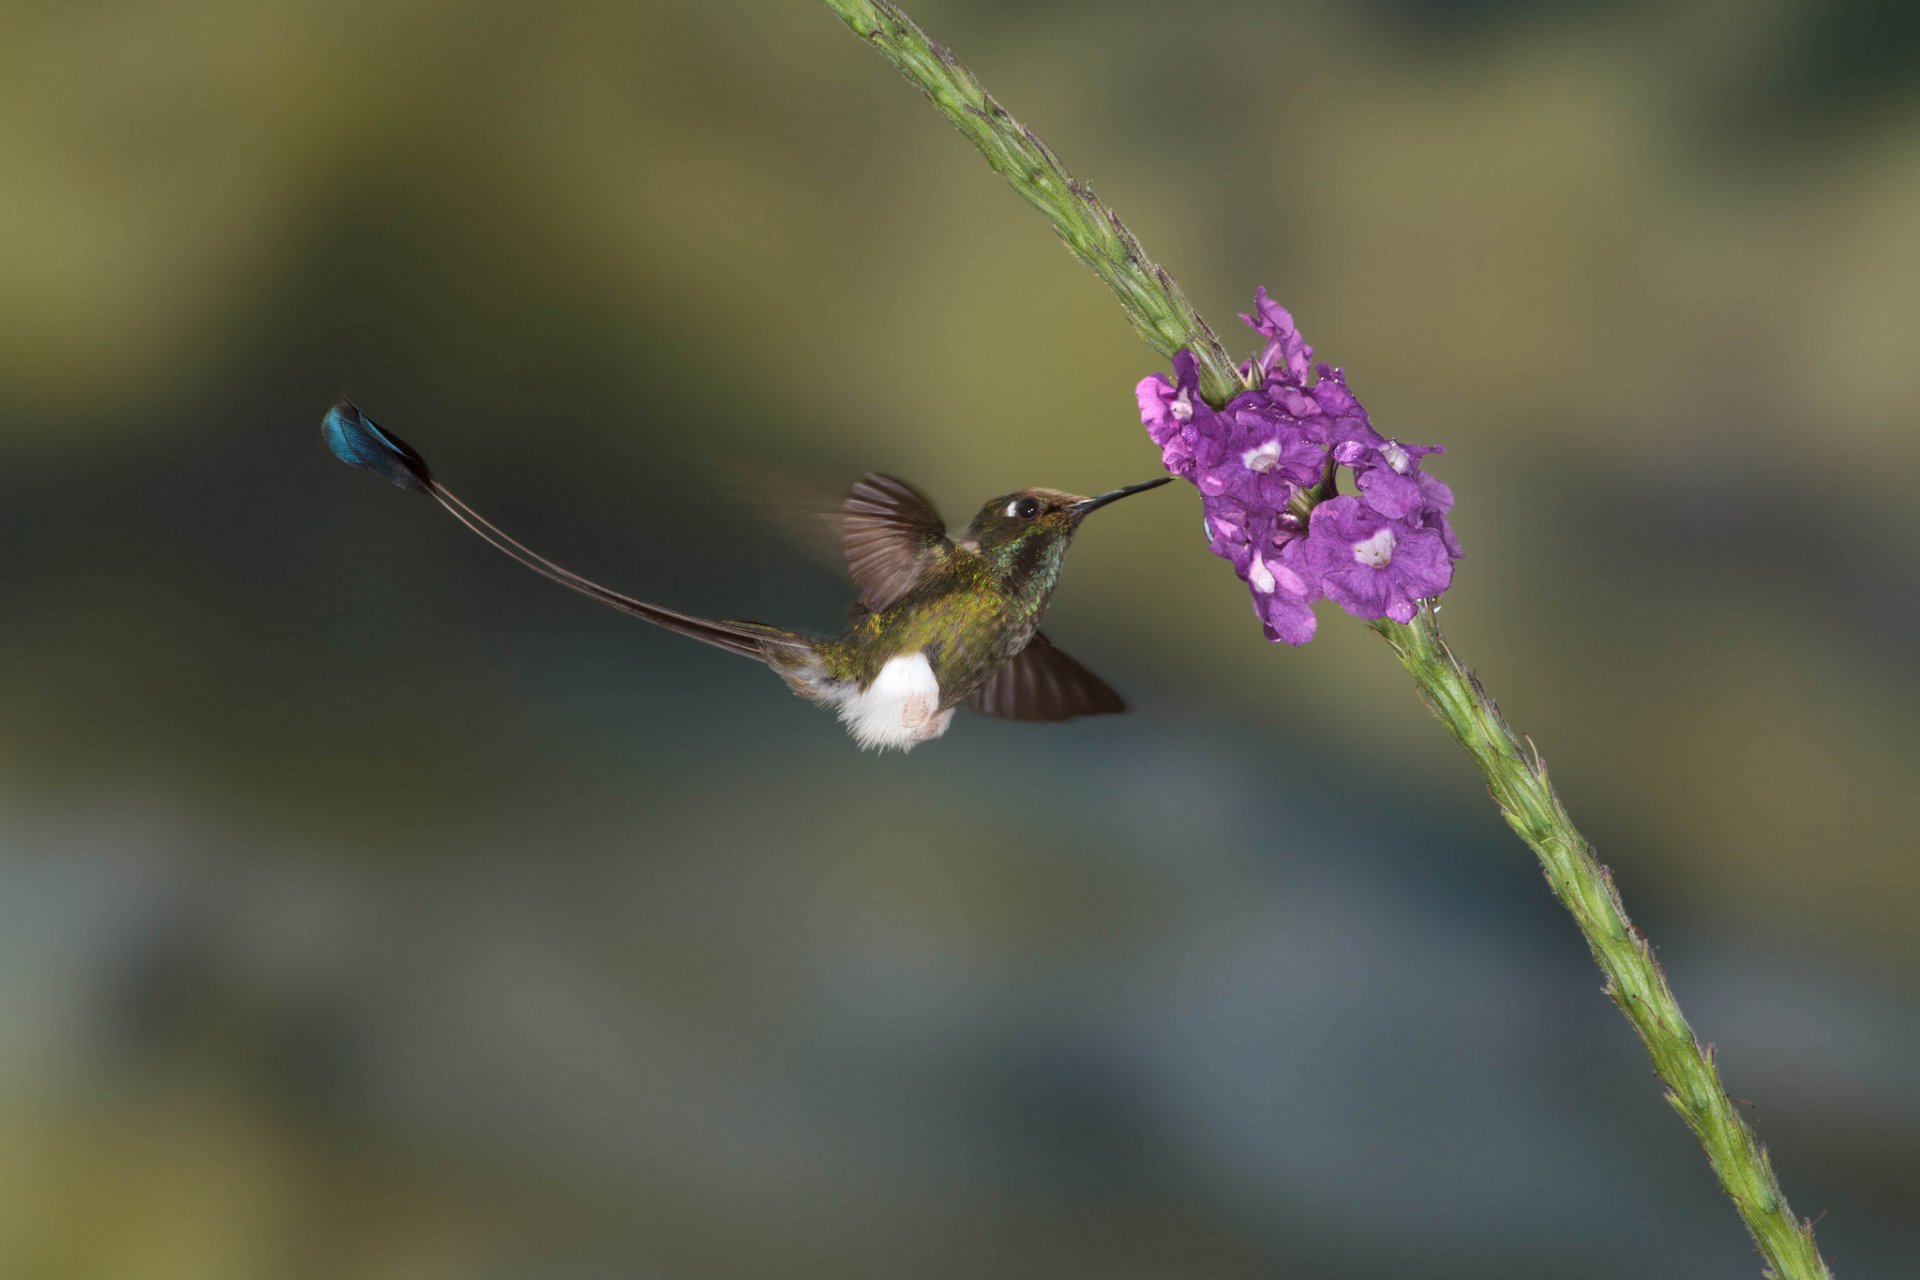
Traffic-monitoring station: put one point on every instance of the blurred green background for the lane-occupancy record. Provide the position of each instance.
(371, 908)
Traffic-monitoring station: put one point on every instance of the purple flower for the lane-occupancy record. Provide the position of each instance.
(1263, 551)
(1259, 452)
(1437, 501)
(1388, 476)
(1286, 354)
(1286, 611)
(1273, 450)
(1372, 565)
(1176, 415)
(1162, 410)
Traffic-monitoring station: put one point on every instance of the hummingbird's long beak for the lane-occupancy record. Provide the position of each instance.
(1085, 505)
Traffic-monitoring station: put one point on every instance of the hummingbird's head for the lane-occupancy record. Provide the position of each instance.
(1038, 517)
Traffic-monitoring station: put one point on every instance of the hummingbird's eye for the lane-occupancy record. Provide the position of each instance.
(1024, 508)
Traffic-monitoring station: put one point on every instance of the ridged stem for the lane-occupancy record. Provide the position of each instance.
(1515, 774)
(1517, 779)
(1153, 302)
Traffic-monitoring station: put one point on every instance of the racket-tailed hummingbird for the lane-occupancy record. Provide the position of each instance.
(941, 621)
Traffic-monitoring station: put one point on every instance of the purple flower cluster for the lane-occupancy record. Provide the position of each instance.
(1262, 460)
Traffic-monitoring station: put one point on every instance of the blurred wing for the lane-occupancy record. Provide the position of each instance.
(1041, 683)
(889, 530)
(801, 506)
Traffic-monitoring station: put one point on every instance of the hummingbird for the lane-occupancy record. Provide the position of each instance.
(941, 621)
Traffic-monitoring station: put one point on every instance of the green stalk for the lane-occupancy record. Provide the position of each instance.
(1516, 776)
(1152, 300)
(1517, 779)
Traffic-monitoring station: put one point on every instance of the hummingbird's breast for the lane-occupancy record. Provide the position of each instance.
(969, 631)
(896, 675)
(979, 640)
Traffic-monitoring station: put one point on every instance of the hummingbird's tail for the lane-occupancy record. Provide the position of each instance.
(356, 440)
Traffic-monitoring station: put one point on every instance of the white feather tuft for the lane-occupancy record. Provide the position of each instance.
(899, 709)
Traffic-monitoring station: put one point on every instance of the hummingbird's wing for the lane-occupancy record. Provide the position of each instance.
(889, 531)
(1042, 683)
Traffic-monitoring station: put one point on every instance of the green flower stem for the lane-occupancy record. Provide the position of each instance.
(1517, 779)
(1152, 300)
(1515, 775)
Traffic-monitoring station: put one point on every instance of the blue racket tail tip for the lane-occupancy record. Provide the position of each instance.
(358, 441)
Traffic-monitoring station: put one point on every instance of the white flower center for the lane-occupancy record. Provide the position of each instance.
(1260, 576)
(1181, 408)
(1265, 458)
(1397, 458)
(1375, 552)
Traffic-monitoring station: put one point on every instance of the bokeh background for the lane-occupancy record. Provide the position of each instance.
(371, 908)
